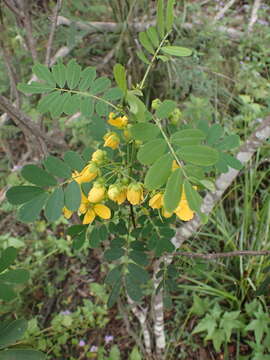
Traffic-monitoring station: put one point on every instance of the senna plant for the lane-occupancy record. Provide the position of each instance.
(147, 172)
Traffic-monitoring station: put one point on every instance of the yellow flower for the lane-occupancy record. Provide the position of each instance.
(97, 193)
(135, 193)
(156, 201)
(90, 211)
(120, 122)
(111, 139)
(88, 173)
(183, 211)
(99, 156)
(117, 193)
(67, 213)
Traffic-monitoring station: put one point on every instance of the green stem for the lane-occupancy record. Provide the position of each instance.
(88, 95)
(152, 61)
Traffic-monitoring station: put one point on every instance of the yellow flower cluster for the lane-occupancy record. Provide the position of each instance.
(183, 211)
(111, 139)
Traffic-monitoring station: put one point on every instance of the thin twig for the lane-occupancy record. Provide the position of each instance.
(131, 332)
(26, 19)
(254, 15)
(53, 27)
(223, 255)
(222, 11)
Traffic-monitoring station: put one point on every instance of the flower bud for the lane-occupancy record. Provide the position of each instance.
(97, 193)
(99, 156)
(155, 104)
(111, 139)
(88, 173)
(135, 193)
(175, 116)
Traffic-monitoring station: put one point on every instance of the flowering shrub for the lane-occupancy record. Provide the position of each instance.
(149, 170)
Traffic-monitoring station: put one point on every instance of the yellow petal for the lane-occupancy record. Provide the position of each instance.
(89, 217)
(96, 194)
(183, 211)
(103, 211)
(156, 201)
(121, 197)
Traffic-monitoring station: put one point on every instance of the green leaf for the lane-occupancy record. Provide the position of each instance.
(113, 276)
(113, 94)
(87, 106)
(119, 73)
(137, 273)
(73, 196)
(208, 323)
(176, 51)
(153, 36)
(8, 256)
(87, 77)
(137, 107)
(43, 73)
(160, 18)
(199, 155)
(6, 293)
(29, 212)
(135, 354)
(102, 108)
(22, 354)
(57, 167)
(12, 332)
(59, 74)
(207, 184)
(188, 137)
(114, 254)
(165, 109)
(74, 160)
(158, 173)
(218, 339)
(169, 15)
(100, 85)
(229, 142)
(229, 322)
(73, 74)
(214, 133)
(144, 131)
(139, 257)
(114, 353)
(78, 241)
(142, 57)
(18, 276)
(76, 229)
(133, 289)
(55, 204)
(38, 176)
(114, 294)
(45, 102)
(231, 161)
(35, 88)
(193, 198)
(21, 194)
(151, 151)
(72, 104)
(58, 104)
(173, 190)
(144, 40)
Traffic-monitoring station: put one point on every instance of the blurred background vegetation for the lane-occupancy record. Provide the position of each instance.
(219, 309)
